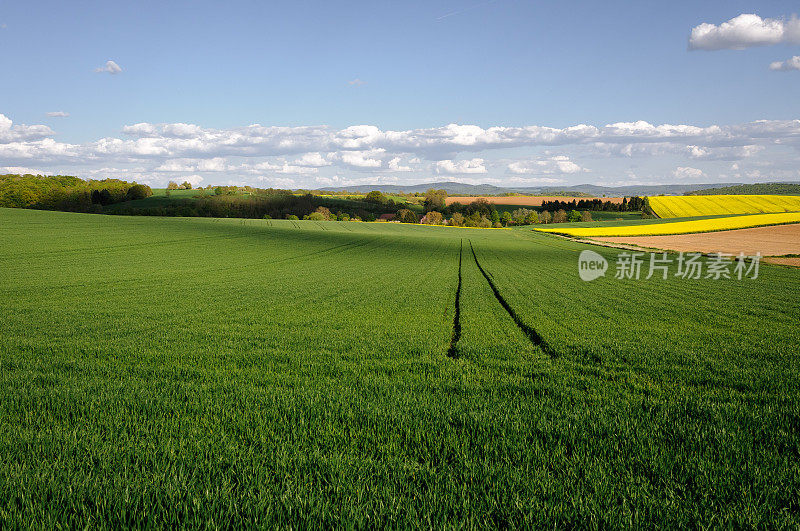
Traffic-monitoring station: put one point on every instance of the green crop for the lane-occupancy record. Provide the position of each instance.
(228, 372)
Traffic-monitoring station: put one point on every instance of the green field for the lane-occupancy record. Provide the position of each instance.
(207, 372)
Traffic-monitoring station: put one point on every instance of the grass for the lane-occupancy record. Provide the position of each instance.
(680, 227)
(218, 373)
(699, 205)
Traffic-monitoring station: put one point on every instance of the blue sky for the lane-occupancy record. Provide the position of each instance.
(401, 72)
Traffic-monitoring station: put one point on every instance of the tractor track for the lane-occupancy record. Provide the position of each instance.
(452, 351)
(531, 334)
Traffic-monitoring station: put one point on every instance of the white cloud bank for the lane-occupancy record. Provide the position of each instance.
(745, 31)
(315, 154)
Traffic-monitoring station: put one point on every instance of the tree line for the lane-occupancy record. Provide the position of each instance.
(270, 203)
(112, 196)
(68, 193)
(634, 204)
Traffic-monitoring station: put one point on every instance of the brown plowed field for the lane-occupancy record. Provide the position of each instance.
(769, 241)
(525, 200)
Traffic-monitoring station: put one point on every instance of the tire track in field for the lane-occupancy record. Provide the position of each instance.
(452, 352)
(532, 334)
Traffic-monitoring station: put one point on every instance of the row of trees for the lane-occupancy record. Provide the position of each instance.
(232, 202)
(633, 204)
(63, 192)
(186, 185)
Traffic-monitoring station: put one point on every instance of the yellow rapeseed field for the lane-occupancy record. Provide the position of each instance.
(713, 205)
(682, 227)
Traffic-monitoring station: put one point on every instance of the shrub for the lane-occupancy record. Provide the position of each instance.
(457, 220)
(432, 218)
(325, 213)
(405, 215)
(435, 199)
(138, 191)
(375, 197)
(524, 216)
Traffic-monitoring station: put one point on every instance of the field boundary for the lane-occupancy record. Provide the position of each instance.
(452, 351)
(532, 334)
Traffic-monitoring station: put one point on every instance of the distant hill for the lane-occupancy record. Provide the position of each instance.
(752, 189)
(455, 188)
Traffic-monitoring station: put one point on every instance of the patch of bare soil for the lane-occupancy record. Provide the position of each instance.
(769, 241)
(793, 261)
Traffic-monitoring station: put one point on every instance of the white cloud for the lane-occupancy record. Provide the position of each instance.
(21, 170)
(460, 167)
(395, 165)
(57, 114)
(745, 31)
(21, 133)
(338, 180)
(313, 159)
(554, 165)
(296, 170)
(683, 172)
(367, 146)
(356, 82)
(110, 67)
(278, 167)
(278, 182)
(194, 179)
(360, 159)
(214, 164)
(722, 153)
(792, 63)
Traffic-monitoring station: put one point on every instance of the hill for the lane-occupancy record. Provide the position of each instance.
(580, 190)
